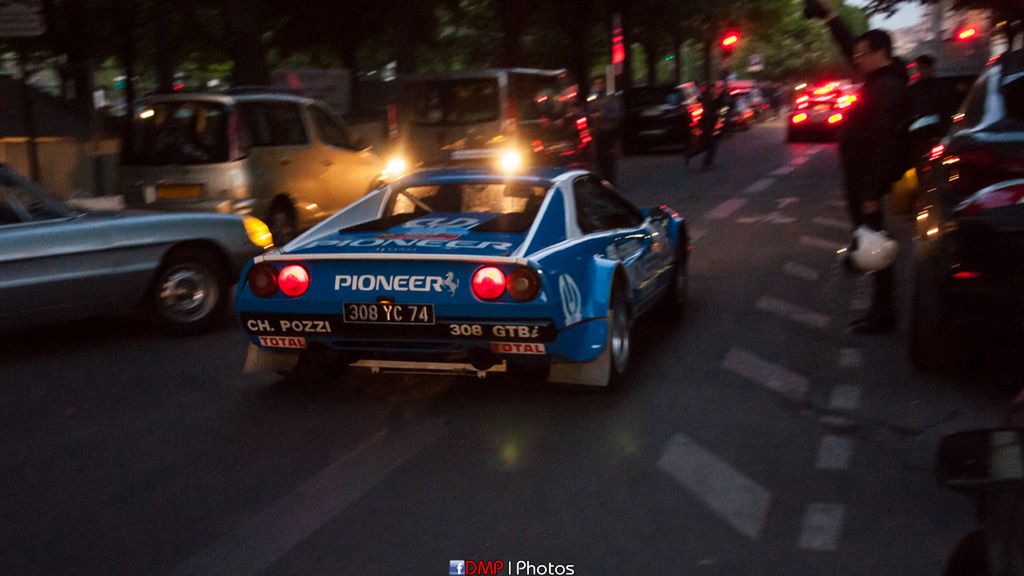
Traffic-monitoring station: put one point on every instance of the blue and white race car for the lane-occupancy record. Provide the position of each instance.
(470, 271)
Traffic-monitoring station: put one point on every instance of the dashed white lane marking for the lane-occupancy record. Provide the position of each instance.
(268, 536)
(819, 242)
(844, 397)
(740, 501)
(784, 170)
(725, 209)
(850, 358)
(861, 299)
(831, 223)
(759, 186)
(821, 526)
(793, 312)
(767, 374)
(800, 271)
(834, 453)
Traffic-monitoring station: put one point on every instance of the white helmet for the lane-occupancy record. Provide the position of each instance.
(873, 250)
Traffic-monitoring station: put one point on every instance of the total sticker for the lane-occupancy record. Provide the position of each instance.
(517, 348)
(282, 342)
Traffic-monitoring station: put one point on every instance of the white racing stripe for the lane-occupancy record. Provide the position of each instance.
(800, 271)
(759, 186)
(269, 535)
(834, 453)
(737, 499)
(831, 223)
(767, 374)
(793, 312)
(823, 243)
(725, 209)
(821, 526)
(844, 397)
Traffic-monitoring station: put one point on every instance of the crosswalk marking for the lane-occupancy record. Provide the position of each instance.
(725, 209)
(823, 243)
(737, 499)
(850, 358)
(834, 453)
(767, 374)
(793, 312)
(831, 223)
(821, 526)
(800, 271)
(844, 397)
(759, 186)
(784, 170)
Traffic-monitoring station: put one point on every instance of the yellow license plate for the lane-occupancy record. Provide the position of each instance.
(178, 192)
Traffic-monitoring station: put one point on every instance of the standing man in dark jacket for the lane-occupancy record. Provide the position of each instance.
(871, 145)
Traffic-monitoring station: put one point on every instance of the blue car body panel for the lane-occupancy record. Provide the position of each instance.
(430, 259)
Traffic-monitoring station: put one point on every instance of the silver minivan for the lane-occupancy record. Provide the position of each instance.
(474, 116)
(285, 159)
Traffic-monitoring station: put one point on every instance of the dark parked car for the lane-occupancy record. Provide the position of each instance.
(969, 246)
(661, 115)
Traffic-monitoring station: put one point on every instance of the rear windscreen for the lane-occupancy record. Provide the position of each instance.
(451, 102)
(179, 133)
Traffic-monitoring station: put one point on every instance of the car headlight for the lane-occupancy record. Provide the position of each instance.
(510, 160)
(394, 168)
(259, 233)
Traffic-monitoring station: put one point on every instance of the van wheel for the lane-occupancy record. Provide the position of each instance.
(190, 294)
(281, 221)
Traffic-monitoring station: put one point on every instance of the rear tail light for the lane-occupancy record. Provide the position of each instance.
(293, 280)
(937, 152)
(967, 275)
(523, 284)
(488, 283)
(835, 118)
(262, 280)
(801, 117)
(997, 196)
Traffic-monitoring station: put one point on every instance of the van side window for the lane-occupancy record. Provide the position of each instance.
(275, 123)
(331, 131)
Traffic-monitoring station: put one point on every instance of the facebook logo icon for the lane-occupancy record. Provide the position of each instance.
(456, 568)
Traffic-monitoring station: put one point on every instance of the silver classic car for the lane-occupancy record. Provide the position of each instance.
(59, 264)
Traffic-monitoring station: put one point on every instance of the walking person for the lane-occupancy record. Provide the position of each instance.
(870, 145)
(605, 113)
(712, 104)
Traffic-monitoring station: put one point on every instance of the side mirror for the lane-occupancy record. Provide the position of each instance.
(982, 460)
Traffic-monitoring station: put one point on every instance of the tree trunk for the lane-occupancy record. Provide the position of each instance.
(626, 81)
(245, 44)
(709, 60)
(407, 39)
(651, 58)
(163, 52)
(576, 24)
(677, 51)
(512, 14)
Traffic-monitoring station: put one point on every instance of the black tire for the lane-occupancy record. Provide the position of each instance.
(190, 292)
(620, 329)
(677, 298)
(935, 344)
(282, 223)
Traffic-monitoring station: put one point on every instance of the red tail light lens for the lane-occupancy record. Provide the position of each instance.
(488, 283)
(801, 117)
(523, 284)
(262, 280)
(293, 280)
(998, 196)
(835, 118)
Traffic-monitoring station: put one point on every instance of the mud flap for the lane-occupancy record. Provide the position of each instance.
(263, 360)
(594, 373)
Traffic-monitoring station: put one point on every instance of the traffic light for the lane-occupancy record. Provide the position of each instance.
(729, 42)
(965, 33)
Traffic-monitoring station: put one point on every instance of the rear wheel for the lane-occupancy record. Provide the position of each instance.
(619, 343)
(190, 294)
(677, 297)
(282, 224)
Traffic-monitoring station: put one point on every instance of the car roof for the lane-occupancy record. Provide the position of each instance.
(227, 98)
(536, 176)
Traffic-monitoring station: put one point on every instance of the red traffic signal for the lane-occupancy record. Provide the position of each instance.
(730, 40)
(966, 33)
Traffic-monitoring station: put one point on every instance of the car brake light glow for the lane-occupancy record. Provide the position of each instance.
(262, 280)
(523, 283)
(293, 280)
(801, 117)
(937, 152)
(846, 101)
(802, 99)
(488, 283)
(967, 275)
(837, 117)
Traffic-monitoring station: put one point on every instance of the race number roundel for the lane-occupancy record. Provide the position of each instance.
(571, 300)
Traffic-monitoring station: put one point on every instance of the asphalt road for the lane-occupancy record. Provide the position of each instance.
(756, 437)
